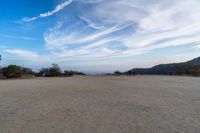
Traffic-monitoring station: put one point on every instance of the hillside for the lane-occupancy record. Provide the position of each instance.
(195, 61)
(191, 67)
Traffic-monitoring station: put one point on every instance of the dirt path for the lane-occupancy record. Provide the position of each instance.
(140, 104)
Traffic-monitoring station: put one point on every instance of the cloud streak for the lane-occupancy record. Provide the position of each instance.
(19, 37)
(92, 24)
(23, 53)
(49, 13)
(154, 26)
(56, 38)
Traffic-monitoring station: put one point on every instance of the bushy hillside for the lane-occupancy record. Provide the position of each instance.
(191, 67)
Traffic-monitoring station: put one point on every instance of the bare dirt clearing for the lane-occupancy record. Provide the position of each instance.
(104, 104)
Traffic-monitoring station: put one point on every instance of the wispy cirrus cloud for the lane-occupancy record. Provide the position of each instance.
(26, 57)
(198, 46)
(92, 24)
(154, 26)
(23, 53)
(18, 37)
(57, 38)
(151, 38)
(93, 29)
(99, 43)
(49, 13)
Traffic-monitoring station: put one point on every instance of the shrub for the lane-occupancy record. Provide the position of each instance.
(53, 71)
(1, 74)
(117, 72)
(43, 72)
(25, 70)
(68, 73)
(14, 71)
(11, 71)
(71, 73)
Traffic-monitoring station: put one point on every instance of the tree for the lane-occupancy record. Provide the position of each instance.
(53, 71)
(27, 71)
(43, 72)
(12, 71)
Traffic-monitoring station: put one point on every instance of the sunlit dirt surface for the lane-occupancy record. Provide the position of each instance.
(100, 104)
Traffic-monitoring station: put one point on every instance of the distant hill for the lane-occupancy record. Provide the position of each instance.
(191, 67)
(195, 61)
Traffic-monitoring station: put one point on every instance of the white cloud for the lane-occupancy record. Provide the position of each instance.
(146, 39)
(159, 24)
(23, 53)
(100, 43)
(198, 46)
(19, 37)
(147, 14)
(91, 1)
(56, 38)
(101, 34)
(92, 24)
(49, 13)
(153, 25)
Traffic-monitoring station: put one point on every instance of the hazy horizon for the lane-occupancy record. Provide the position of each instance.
(98, 36)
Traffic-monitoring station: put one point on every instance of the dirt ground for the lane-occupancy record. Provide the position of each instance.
(100, 104)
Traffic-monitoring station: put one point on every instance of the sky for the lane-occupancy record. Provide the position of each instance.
(98, 35)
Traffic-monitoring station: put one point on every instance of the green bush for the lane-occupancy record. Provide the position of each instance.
(71, 73)
(1, 74)
(25, 71)
(11, 71)
(68, 73)
(54, 71)
(14, 71)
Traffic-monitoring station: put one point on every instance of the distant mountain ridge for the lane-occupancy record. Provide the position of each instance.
(195, 61)
(191, 67)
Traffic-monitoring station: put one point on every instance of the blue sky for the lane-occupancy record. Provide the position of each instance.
(98, 35)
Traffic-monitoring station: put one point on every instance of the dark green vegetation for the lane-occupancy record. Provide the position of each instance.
(55, 71)
(14, 71)
(191, 67)
(118, 73)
